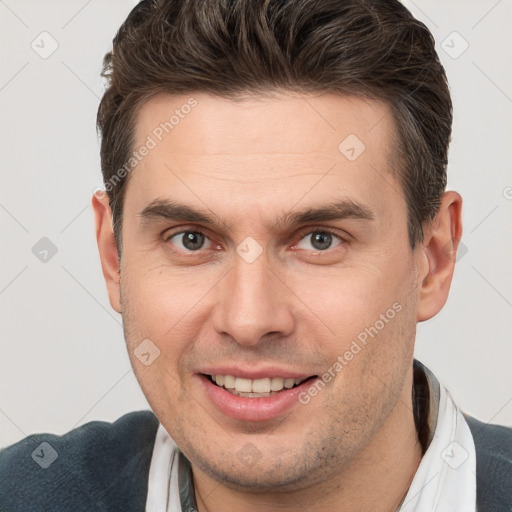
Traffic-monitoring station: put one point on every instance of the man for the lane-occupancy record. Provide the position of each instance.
(274, 226)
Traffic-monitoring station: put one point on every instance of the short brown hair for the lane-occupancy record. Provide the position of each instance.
(370, 48)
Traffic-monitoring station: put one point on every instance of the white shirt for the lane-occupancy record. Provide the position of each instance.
(163, 490)
(445, 480)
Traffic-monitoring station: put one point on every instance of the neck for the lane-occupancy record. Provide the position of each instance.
(376, 480)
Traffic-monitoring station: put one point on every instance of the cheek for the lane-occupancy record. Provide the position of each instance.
(171, 309)
(154, 321)
(161, 297)
(369, 312)
(349, 298)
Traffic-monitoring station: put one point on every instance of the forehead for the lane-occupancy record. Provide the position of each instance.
(282, 123)
(265, 150)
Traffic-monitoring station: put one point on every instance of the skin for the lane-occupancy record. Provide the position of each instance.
(250, 162)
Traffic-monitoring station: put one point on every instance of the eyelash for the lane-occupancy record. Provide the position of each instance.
(300, 235)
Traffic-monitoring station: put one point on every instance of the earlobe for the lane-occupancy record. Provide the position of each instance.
(439, 250)
(109, 256)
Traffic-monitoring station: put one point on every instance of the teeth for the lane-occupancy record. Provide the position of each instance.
(276, 384)
(262, 387)
(289, 383)
(229, 381)
(244, 385)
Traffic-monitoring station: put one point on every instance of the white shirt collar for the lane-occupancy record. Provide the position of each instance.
(444, 481)
(446, 477)
(163, 490)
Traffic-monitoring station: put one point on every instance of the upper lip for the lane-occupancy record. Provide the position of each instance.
(254, 373)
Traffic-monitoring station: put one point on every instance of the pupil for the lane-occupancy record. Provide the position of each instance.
(193, 241)
(322, 240)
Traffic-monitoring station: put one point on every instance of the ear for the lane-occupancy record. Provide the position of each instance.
(109, 256)
(438, 253)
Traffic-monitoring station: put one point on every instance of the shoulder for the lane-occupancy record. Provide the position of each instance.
(493, 444)
(98, 466)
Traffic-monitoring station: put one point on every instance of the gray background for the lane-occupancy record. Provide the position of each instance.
(63, 361)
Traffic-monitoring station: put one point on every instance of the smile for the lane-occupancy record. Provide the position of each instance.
(261, 399)
(254, 388)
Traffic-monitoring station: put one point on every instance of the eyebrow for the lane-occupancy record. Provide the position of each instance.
(171, 210)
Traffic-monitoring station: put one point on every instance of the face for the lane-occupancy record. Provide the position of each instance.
(266, 241)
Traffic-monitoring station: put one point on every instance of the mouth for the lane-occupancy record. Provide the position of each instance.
(261, 399)
(255, 388)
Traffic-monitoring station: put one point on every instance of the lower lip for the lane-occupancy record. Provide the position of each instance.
(253, 409)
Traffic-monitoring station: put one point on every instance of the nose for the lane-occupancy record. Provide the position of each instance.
(253, 303)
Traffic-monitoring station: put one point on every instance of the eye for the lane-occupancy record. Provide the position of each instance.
(319, 240)
(189, 240)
